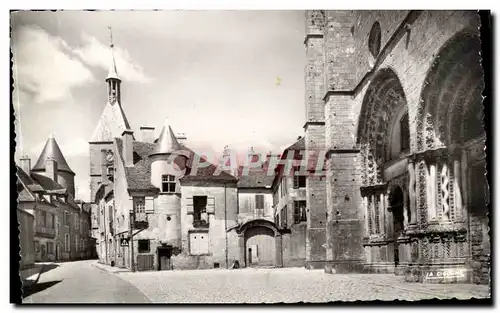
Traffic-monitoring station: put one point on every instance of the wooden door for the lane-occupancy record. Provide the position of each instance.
(260, 246)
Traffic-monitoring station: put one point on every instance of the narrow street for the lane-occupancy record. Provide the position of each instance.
(87, 281)
(81, 282)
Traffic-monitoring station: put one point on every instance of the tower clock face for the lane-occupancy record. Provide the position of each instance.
(109, 156)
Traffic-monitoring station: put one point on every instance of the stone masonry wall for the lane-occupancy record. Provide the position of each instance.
(410, 54)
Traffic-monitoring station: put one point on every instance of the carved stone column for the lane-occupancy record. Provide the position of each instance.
(367, 216)
(457, 188)
(382, 207)
(372, 214)
(389, 226)
(431, 192)
(412, 192)
(464, 184)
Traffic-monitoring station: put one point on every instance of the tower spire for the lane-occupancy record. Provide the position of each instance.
(113, 79)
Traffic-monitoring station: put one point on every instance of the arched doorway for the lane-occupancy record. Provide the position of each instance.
(450, 130)
(260, 247)
(260, 244)
(384, 139)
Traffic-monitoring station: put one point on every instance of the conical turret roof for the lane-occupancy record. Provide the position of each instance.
(167, 142)
(52, 151)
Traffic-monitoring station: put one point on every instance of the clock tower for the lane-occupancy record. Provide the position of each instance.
(110, 125)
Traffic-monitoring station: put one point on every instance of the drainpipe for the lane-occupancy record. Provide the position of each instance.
(131, 242)
(225, 222)
(105, 236)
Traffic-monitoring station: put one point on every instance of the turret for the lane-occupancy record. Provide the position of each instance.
(51, 163)
(166, 160)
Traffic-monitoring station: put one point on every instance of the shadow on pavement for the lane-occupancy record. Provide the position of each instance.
(34, 288)
(47, 267)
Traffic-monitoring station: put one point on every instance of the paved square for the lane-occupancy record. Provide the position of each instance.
(287, 285)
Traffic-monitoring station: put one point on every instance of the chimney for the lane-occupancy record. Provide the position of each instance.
(51, 169)
(181, 138)
(26, 164)
(148, 134)
(127, 147)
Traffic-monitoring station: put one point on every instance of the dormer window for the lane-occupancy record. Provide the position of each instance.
(168, 183)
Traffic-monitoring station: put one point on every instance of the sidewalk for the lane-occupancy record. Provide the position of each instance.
(109, 268)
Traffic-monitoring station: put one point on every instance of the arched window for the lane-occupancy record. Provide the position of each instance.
(405, 133)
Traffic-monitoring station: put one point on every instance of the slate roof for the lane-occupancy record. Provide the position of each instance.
(52, 150)
(113, 73)
(139, 176)
(167, 142)
(256, 179)
(39, 183)
(300, 144)
(111, 124)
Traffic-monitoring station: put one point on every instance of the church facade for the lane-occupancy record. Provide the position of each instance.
(394, 98)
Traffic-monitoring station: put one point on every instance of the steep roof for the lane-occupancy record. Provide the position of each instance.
(300, 144)
(113, 73)
(139, 176)
(52, 150)
(40, 183)
(256, 179)
(167, 142)
(111, 124)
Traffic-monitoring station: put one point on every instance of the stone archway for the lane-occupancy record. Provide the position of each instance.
(449, 142)
(266, 241)
(384, 105)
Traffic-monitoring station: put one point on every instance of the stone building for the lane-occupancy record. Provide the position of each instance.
(61, 227)
(261, 241)
(290, 206)
(394, 97)
(152, 210)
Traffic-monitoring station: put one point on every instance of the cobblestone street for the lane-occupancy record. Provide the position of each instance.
(287, 285)
(87, 281)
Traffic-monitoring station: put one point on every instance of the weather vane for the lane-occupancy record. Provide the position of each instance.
(110, 36)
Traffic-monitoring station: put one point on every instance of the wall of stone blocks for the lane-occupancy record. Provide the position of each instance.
(347, 60)
(316, 221)
(345, 224)
(95, 159)
(294, 246)
(217, 222)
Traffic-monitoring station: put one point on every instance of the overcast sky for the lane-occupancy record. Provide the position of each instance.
(222, 77)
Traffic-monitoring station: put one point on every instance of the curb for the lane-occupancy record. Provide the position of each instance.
(110, 269)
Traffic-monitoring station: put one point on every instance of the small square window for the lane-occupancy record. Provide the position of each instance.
(143, 245)
(168, 183)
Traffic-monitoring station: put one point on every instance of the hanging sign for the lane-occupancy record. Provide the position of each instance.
(124, 242)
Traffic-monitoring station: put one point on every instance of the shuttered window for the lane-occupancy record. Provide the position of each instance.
(198, 243)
